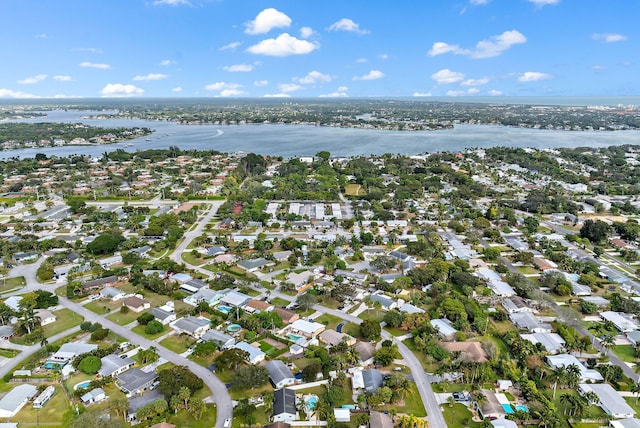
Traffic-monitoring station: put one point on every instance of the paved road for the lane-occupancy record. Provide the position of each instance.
(28, 271)
(219, 391)
(196, 231)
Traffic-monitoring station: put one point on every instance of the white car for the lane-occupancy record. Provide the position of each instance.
(227, 423)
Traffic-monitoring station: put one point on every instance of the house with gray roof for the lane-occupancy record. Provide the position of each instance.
(551, 342)
(235, 299)
(444, 328)
(279, 374)
(284, 405)
(138, 402)
(385, 302)
(135, 381)
(93, 396)
(526, 321)
(15, 399)
(112, 293)
(165, 317)
(211, 297)
(68, 351)
(193, 286)
(193, 326)
(220, 339)
(372, 380)
(253, 265)
(6, 331)
(254, 356)
(97, 284)
(609, 400)
(113, 365)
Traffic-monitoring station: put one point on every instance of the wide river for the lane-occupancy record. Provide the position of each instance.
(300, 140)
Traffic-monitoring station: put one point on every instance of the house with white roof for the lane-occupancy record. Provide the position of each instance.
(235, 299)
(46, 316)
(551, 342)
(211, 297)
(609, 400)
(15, 399)
(299, 280)
(112, 293)
(68, 351)
(444, 328)
(527, 321)
(623, 322)
(566, 360)
(279, 374)
(306, 328)
(192, 326)
(113, 365)
(254, 356)
(94, 396)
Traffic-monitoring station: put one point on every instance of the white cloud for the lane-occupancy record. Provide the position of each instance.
(446, 76)
(92, 50)
(383, 56)
(494, 93)
(150, 76)
(492, 47)
(67, 96)
(456, 93)
(422, 94)
(313, 77)
(343, 88)
(41, 36)
(473, 91)
(337, 94)
(283, 45)
(361, 60)
(242, 68)
(8, 93)
(289, 87)
(231, 46)
(87, 64)
(267, 20)
(33, 79)
(170, 2)
(306, 32)
(61, 78)
(609, 37)
(261, 83)
(346, 24)
(533, 76)
(277, 96)
(177, 89)
(231, 93)
(121, 90)
(166, 62)
(599, 67)
(540, 3)
(475, 82)
(371, 75)
(478, 2)
(219, 86)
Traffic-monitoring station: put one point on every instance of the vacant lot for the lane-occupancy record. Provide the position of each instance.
(354, 190)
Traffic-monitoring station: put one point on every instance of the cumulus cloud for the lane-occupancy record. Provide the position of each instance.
(473, 91)
(230, 46)
(475, 82)
(61, 78)
(371, 75)
(361, 60)
(166, 62)
(231, 93)
(346, 24)
(456, 93)
(267, 20)
(337, 94)
(8, 93)
(277, 96)
(533, 76)
(609, 37)
(87, 64)
(422, 94)
(238, 68)
(226, 89)
(32, 79)
(540, 3)
(283, 45)
(313, 77)
(170, 2)
(41, 36)
(494, 92)
(92, 50)
(261, 83)
(447, 76)
(383, 56)
(306, 32)
(492, 47)
(121, 90)
(177, 89)
(150, 76)
(289, 87)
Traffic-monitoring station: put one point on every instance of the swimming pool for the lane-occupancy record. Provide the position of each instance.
(82, 385)
(293, 337)
(507, 408)
(233, 328)
(223, 308)
(53, 365)
(312, 402)
(522, 408)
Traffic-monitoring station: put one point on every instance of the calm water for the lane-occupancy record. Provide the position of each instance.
(294, 140)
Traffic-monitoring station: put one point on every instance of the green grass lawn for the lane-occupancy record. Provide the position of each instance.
(352, 329)
(626, 353)
(184, 419)
(237, 394)
(49, 416)
(8, 353)
(261, 419)
(11, 283)
(372, 314)
(412, 404)
(66, 319)
(330, 321)
(101, 307)
(459, 415)
(178, 343)
(527, 270)
(189, 258)
(276, 301)
(139, 329)
(124, 319)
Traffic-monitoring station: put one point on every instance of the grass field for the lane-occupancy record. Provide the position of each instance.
(100, 307)
(189, 258)
(177, 343)
(330, 321)
(8, 353)
(139, 329)
(184, 419)
(412, 404)
(124, 319)
(276, 301)
(49, 416)
(66, 319)
(459, 415)
(354, 190)
(11, 283)
(627, 353)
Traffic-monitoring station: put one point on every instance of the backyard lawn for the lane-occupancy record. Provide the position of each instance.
(330, 321)
(276, 301)
(139, 329)
(627, 353)
(178, 343)
(459, 415)
(49, 416)
(184, 419)
(66, 319)
(412, 404)
(11, 283)
(124, 319)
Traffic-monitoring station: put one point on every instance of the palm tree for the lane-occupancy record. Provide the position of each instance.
(267, 399)
(606, 342)
(635, 388)
(567, 400)
(557, 376)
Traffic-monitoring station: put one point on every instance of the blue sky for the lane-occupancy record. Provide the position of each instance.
(336, 48)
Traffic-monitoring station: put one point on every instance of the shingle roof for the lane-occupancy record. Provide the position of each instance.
(284, 401)
(278, 371)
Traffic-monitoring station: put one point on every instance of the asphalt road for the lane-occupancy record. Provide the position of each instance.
(196, 231)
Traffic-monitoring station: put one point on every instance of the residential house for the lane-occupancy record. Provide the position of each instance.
(113, 365)
(516, 304)
(97, 284)
(254, 356)
(284, 405)
(551, 342)
(136, 304)
(44, 397)
(622, 321)
(235, 299)
(13, 302)
(135, 381)
(380, 420)
(469, 351)
(385, 302)
(180, 278)
(68, 351)
(609, 400)
(300, 280)
(193, 285)
(526, 321)
(342, 415)
(6, 331)
(22, 257)
(94, 396)
(491, 408)
(220, 339)
(112, 293)
(372, 379)
(566, 360)
(14, 400)
(253, 265)
(365, 351)
(279, 374)
(215, 250)
(211, 297)
(444, 328)
(108, 262)
(192, 326)
(287, 316)
(142, 251)
(165, 317)
(410, 309)
(634, 337)
(306, 328)
(332, 338)
(257, 306)
(137, 403)
(46, 316)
